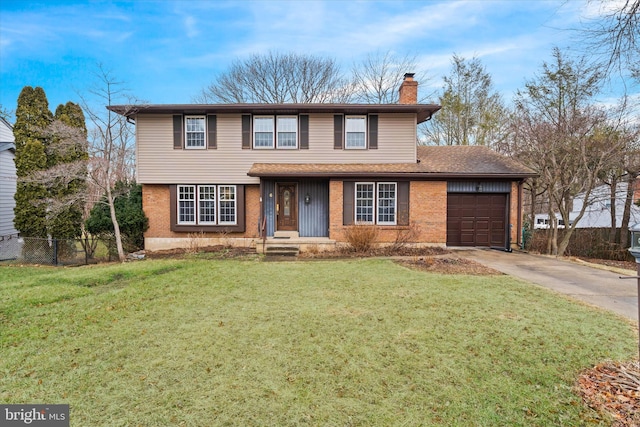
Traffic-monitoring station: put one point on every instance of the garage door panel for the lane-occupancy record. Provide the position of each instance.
(476, 219)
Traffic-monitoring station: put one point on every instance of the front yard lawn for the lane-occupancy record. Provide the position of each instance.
(341, 343)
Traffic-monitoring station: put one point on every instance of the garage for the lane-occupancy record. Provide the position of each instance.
(477, 219)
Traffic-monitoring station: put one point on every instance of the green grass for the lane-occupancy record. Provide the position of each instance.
(331, 343)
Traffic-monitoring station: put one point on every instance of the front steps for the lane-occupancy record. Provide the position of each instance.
(287, 245)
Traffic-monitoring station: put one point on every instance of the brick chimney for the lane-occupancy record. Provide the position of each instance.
(408, 92)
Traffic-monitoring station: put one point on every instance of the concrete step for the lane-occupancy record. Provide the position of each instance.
(282, 250)
(286, 235)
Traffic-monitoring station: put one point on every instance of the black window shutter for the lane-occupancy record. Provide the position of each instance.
(373, 131)
(348, 202)
(338, 133)
(177, 132)
(304, 131)
(403, 203)
(212, 129)
(246, 131)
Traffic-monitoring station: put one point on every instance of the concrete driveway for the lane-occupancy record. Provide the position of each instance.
(595, 286)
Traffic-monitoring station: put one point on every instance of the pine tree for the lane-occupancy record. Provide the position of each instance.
(32, 116)
(66, 221)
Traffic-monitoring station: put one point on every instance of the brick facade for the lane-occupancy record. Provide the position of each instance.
(427, 216)
(157, 207)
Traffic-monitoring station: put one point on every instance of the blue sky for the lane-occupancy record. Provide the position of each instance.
(167, 51)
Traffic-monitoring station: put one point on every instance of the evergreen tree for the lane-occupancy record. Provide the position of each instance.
(472, 111)
(32, 116)
(131, 218)
(66, 221)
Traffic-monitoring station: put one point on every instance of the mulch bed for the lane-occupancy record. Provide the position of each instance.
(448, 265)
(613, 388)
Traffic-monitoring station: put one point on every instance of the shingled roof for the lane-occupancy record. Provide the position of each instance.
(433, 162)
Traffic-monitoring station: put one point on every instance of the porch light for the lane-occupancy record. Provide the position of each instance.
(307, 199)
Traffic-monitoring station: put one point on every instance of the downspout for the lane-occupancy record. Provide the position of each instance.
(519, 236)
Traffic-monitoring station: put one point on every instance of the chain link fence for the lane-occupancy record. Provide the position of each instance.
(32, 250)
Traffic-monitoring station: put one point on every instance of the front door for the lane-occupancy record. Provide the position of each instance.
(287, 207)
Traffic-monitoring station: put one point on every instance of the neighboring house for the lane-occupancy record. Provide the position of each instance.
(598, 213)
(7, 179)
(9, 243)
(240, 172)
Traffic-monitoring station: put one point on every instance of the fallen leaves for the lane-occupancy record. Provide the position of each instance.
(614, 388)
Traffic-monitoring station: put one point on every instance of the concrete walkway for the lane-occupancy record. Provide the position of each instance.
(595, 286)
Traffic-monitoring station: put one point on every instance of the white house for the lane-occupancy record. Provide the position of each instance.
(10, 244)
(7, 178)
(598, 213)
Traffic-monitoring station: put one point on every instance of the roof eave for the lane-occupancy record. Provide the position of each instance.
(399, 175)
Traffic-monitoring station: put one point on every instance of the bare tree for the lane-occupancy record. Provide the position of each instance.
(614, 37)
(279, 78)
(110, 143)
(377, 77)
(472, 111)
(563, 135)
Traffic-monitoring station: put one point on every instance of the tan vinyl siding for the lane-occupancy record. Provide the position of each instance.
(159, 162)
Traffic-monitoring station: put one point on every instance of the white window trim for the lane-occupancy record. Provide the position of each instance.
(376, 203)
(395, 204)
(273, 132)
(216, 201)
(195, 200)
(355, 203)
(277, 132)
(186, 132)
(235, 205)
(215, 204)
(346, 132)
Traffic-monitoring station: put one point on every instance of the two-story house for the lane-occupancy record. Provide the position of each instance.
(240, 172)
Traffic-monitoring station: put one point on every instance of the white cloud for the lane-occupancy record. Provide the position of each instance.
(191, 27)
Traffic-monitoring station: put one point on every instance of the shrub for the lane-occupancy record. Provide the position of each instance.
(361, 237)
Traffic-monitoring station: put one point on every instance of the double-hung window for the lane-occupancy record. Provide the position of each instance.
(287, 130)
(194, 132)
(387, 203)
(207, 204)
(355, 132)
(227, 204)
(365, 192)
(376, 203)
(186, 204)
(263, 130)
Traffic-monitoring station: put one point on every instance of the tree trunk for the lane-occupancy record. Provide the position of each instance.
(612, 200)
(116, 226)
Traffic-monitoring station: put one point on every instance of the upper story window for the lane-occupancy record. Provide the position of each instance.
(355, 132)
(287, 130)
(194, 132)
(263, 130)
(275, 132)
